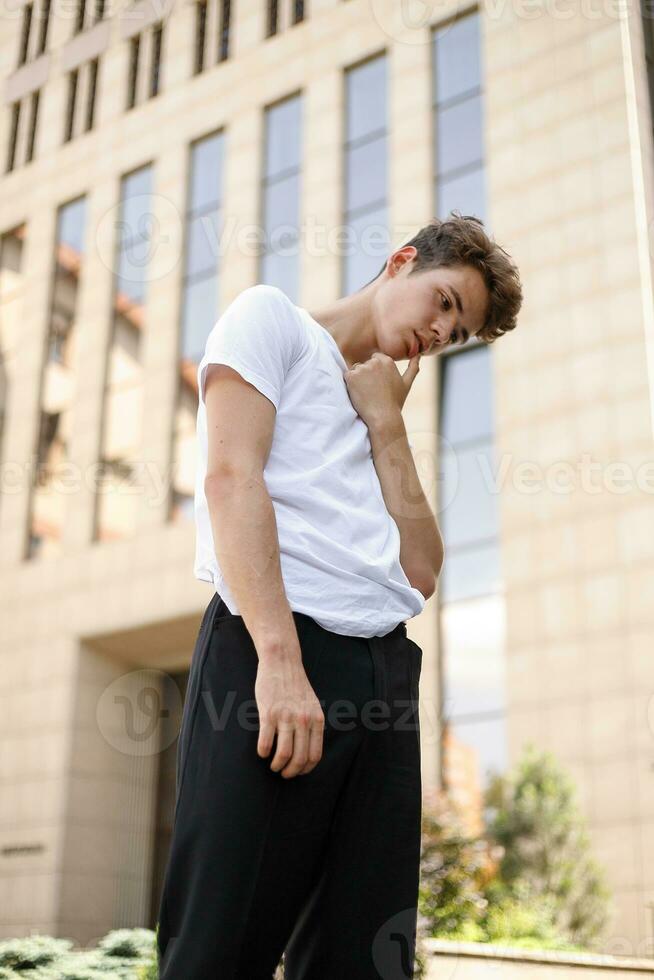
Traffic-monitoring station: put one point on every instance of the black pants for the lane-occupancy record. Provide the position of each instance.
(324, 866)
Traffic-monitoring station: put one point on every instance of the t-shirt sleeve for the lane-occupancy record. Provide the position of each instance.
(258, 336)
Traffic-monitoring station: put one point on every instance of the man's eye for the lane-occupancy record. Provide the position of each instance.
(446, 303)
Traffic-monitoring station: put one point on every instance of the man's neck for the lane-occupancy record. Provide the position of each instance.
(350, 323)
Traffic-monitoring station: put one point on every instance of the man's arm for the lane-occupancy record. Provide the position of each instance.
(421, 544)
(240, 423)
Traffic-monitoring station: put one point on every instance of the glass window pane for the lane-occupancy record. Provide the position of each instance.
(469, 573)
(136, 210)
(366, 98)
(70, 226)
(467, 192)
(281, 209)
(202, 247)
(283, 144)
(281, 271)
(473, 635)
(206, 171)
(368, 240)
(459, 135)
(466, 396)
(137, 183)
(469, 512)
(132, 274)
(483, 746)
(199, 313)
(456, 58)
(366, 174)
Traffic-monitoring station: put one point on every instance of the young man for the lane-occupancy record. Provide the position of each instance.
(314, 531)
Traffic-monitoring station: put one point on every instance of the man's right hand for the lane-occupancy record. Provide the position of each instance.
(288, 707)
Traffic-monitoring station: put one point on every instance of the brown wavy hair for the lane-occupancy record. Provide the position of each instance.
(461, 239)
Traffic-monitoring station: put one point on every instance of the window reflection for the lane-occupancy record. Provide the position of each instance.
(366, 177)
(457, 68)
(472, 629)
(199, 308)
(58, 382)
(118, 499)
(280, 194)
(12, 292)
(458, 118)
(471, 602)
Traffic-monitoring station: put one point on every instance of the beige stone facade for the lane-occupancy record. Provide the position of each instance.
(570, 166)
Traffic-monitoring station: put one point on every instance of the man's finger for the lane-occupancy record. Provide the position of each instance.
(409, 374)
(300, 752)
(284, 746)
(266, 736)
(315, 748)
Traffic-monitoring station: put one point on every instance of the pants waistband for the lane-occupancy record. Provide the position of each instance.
(222, 612)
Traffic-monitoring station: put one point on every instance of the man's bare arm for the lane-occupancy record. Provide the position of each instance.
(240, 422)
(421, 544)
(247, 548)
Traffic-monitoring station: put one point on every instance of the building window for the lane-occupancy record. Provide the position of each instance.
(280, 196)
(81, 9)
(134, 49)
(223, 37)
(88, 14)
(33, 32)
(82, 84)
(471, 604)
(45, 23)
(145, 48)
(13, 137)
(366, 181)
(73, 78)
(155, 73)
(92, 89)
(58, 382)
(117, 500)
(12, 293)
(26, 25)
(458, 118)
(22, 130)
(272, 19)
(200, 35)
(298, 11)
(34, 114)
(211, 46)
(199, 307)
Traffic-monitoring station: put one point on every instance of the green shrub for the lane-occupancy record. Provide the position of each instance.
(120, 955)
(529, 880)
(31, 952)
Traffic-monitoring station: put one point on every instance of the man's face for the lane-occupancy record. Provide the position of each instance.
(435, 309)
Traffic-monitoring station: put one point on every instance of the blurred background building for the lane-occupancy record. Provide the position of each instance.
(160, 158)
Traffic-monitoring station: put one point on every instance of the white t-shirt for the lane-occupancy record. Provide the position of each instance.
(339, 546)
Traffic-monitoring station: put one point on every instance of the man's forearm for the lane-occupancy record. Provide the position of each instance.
(247, 548)
(421, 544)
